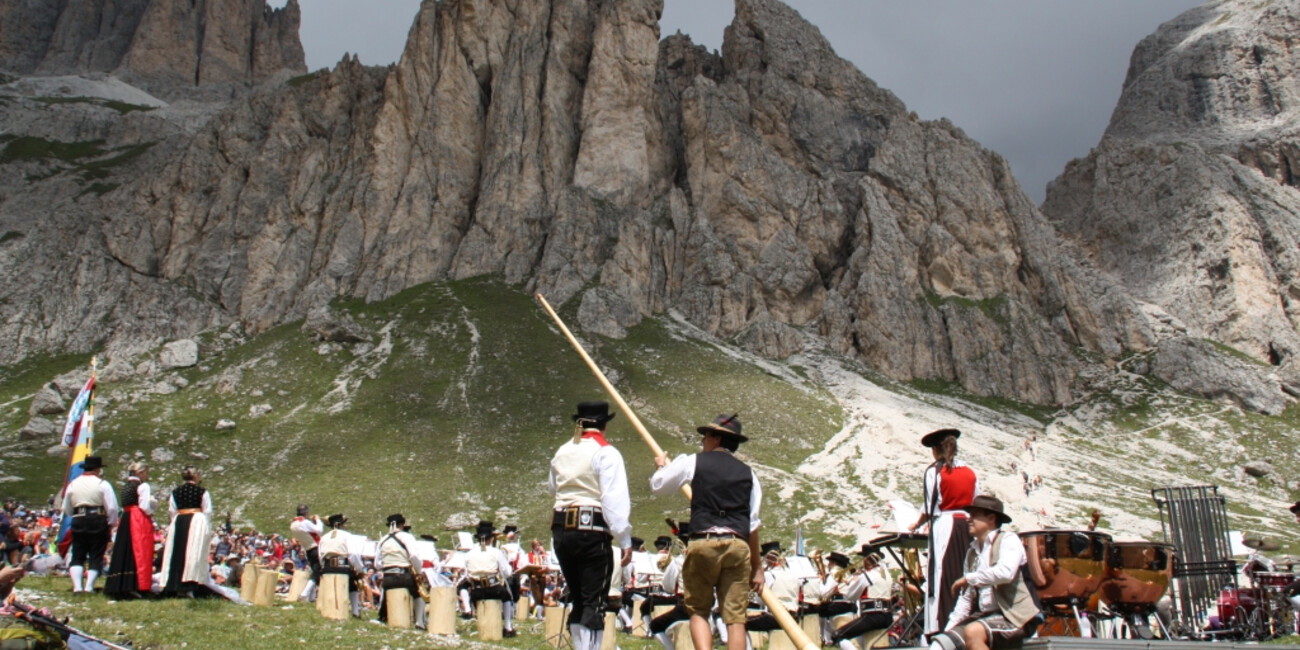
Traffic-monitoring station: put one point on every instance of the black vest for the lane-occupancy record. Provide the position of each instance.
(188, 496)
(722, 485)
(130, 495)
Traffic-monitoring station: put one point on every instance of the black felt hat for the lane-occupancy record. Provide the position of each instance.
(770, 547)
(662, 542)
(510, 528)
(868, 551)
(396, 519)
(593, 412)
(335, 521)
(992, 504)
(485, 529)
(933, 438)
(838, 558)
(92, 463)
(724, 425)
(637, 543)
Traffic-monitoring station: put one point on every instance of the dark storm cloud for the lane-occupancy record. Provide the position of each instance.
(1034, 80)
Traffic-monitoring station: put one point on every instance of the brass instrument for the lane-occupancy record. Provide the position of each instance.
(816, 558)
(913, 601)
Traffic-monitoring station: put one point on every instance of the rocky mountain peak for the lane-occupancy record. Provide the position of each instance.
(1190, 199)
(763, 194)
(165, 46)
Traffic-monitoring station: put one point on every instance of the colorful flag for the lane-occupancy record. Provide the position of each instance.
(77, 412)
(79, 434)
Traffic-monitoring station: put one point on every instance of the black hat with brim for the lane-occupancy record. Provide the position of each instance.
(724, 425)
(991, 504)
(596, 413)
(663, 541)
(396, 519)
(933, 438)
(485, 529)
(92, 463)
(770, 547)
(838, 558)
(335, 521)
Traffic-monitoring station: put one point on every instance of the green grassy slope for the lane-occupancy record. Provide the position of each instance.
(459, 419)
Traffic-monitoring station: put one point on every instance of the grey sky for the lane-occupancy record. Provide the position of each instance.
(1034, 80)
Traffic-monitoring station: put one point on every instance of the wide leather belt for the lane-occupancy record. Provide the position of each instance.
(715, 536)
(588, 518)
(336, 562)
(875, 605)
(88, 510)
(483, 583)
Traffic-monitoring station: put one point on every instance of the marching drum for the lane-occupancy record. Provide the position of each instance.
(1067, 566)
(1137, 576)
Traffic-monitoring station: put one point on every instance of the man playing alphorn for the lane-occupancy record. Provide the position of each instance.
(722, 554)
(307, 531)
(591, 507)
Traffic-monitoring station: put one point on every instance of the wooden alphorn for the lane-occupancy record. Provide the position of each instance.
(783, 618)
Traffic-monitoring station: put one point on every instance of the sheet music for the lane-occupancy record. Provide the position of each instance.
(645, 564)
(905, 514)
(801, 567)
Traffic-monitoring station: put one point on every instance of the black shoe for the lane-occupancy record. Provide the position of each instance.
(509, 634)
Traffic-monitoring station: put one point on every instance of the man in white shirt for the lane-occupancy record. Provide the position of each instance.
(396, 558)
(722, 555)
(90, 501)
(996, 608)
(489, 574)
(591, 510)
(307, 531)
(337, 558)
(872, 589)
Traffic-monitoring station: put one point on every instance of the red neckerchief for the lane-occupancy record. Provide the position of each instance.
(597, 435)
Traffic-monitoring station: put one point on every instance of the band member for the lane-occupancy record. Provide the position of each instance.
(397, 560)
(130, 573)
(335, 558)
(185, 557)
(995, 608)
(722, 555)
(515, 557)
(778, 579)
(949, 486)
(832, 587)
(873, 590)
(669, 593)
(307, 531)
(591, 506)
(489, 575)
(90, 502)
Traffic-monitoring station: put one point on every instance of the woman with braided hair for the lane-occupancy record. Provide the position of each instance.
(949, 486)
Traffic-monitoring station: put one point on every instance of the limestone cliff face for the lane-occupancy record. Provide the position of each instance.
(1191, 197)
(561, 145)
(163, 45)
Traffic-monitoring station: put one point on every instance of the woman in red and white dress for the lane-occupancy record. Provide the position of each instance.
(950, 486)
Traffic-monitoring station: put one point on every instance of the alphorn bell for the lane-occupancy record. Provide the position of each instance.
(783, 618)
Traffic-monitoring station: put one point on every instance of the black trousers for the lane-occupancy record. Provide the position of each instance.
(347, 571)
(313, 561)
(498, 592)
(655, 600)
(586, 560)
(863, 624)
(89, 541)
(397, 581)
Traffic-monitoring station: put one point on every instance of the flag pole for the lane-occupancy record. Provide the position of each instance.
(774, 606)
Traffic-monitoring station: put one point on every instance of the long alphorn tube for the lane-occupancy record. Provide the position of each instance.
(778, 610)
